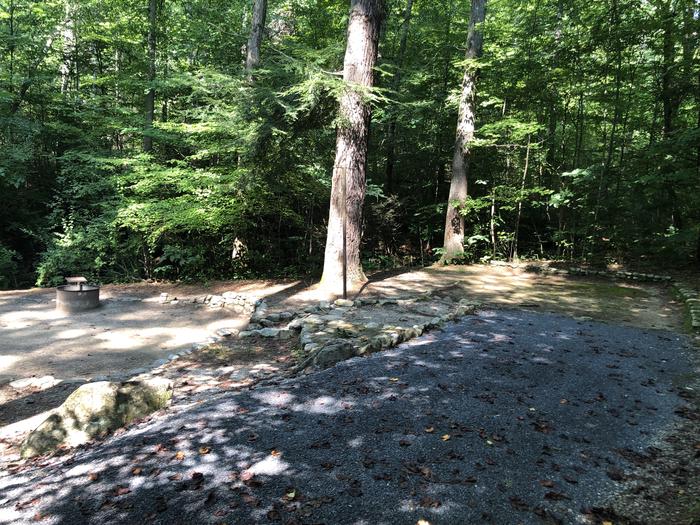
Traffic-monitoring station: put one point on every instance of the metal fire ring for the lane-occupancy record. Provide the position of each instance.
(77, 296)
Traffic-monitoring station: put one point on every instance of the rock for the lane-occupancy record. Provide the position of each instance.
(173, 357)
(284, 334)
(43, 382)
(334, 352)
(99, 378)
(216, 301)
(227, 332)
(372, 326)
(325, 305)
(269, 332)
(310, 347)
(163, 298)
(156, 364)
(247, 333)
(95, 408)
(343, 303)
(136, 372)
(296, 324)
(286, 316)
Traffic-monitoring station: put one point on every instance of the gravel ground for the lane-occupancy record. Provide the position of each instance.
(505, 417)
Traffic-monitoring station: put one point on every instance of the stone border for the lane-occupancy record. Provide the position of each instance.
(330, 342)
(574, 270)
(691, 298)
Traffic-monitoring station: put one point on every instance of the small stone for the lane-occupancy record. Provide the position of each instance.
(173, 357)
(216, 300)
(227, 332)
(35, 382)
(333, 353)
(284, 334)
(163, 298)
(247, 333)
(269, 332)
(310, 347)
(156, 364)
(344, 303)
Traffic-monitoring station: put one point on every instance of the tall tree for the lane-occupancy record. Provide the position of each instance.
(151, 93)
(68, 62)
(395, 84)
(257, 29)
(453, 244)
(348, 185)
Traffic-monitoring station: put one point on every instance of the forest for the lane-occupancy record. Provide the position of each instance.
(204, 139)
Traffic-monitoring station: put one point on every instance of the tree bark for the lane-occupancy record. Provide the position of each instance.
(395, 84)
(516, 231)
(257, 29)
(454, 223)
(69, 44)
(348, 185)
(151, 94)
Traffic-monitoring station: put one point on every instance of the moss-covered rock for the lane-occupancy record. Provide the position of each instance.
(95, 409)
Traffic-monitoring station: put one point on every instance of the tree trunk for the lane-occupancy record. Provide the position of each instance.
(256, 33)
(454, 222)
(516, 232)
(395, 84)
(151, 94)
(348, 186)
(69, 43)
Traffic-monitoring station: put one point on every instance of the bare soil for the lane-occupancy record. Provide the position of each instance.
(132, 328)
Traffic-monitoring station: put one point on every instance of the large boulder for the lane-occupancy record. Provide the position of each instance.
(97, 408)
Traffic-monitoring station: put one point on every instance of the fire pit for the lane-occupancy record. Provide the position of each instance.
(77, 296)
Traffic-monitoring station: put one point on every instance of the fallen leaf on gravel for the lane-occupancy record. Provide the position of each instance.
(92, 476)
(518, 503)
(175, 477)
(422, 522)
(555, 496)
(429, 502)
(121, 490)
(615, 474)
(445, 437)
(179, 456)
(393, 379)
(275, 453)
(547, 483)
(204, 450)
(25, 504)
(136, 471)
(405, 443)
(430, 430)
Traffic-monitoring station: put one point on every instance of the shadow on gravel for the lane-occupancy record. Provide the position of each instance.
(506, 417)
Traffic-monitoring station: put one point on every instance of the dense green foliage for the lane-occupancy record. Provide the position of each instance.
(600, 99)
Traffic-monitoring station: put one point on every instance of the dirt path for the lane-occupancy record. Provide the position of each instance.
(132, 328)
